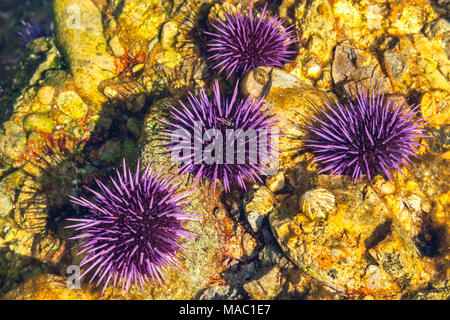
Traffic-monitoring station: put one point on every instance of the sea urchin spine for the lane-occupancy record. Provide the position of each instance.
(132, 230)
(243, 42)
(364, 138)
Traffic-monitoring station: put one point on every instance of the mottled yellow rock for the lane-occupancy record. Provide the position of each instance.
(116, 46)
(316, 27)
(38, 122)
(79, 34)
(411, 20)
(436, 106)
(46, 94)
(13, 142)
(168, 33)
(141, 20)
(71, 104)
(47, 287)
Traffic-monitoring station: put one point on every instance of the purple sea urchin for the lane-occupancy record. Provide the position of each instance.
(132, 229)
(246, 42)
(31, 31)
(224, 138)
(366, 137)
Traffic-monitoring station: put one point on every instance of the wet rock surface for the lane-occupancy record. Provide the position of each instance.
(92, 93)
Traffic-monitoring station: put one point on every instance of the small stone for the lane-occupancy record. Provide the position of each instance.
(249, 244)
(217, 292)
(266, 285)
(258, 203)
(411, 20)
(388, 187)
(427, 206)
(276, 182)
(168, 34)
(13, 143)
(116, 46)
(353, 68)
(71, 104)
(134, 126)
(110, 92)
(435, 105)
(439, 30)
(38, 122)
(46, 95)
(137, 104)
(5, 203)
(138, 67)
(312, 68)
(271, 255)
(110, 151)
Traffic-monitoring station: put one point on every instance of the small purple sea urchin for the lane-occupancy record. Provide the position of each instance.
(246, 42)
(132, 229)
(366, 137)
(31, 31)
(224, 138)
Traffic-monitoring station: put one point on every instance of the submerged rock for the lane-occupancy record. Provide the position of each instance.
(338, 250)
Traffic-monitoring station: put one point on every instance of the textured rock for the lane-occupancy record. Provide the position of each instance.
(439, 31)
(353, 68)
(257, 204)
(334, 251)
(38, 122)
(386, 240)
(79, 33)
(47, 287)
(72, 105)
(5, 203)
(217, 292)
(316, 25)
(415, 63)
(266, 286)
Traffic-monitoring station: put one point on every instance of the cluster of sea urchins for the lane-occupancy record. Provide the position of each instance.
(242, 43)
(212, 137)
(366, 137)
(132, 229)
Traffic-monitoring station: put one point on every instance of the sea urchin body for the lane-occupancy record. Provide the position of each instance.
(221, 138)
(368, 136)
(243, 42)
(33, 30)
(132, 230)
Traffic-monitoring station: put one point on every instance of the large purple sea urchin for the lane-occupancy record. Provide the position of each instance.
(366, 137)
(132, 230)
(243, 42)
(224, 138)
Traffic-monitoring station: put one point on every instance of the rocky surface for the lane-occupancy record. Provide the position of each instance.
(78, 102)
